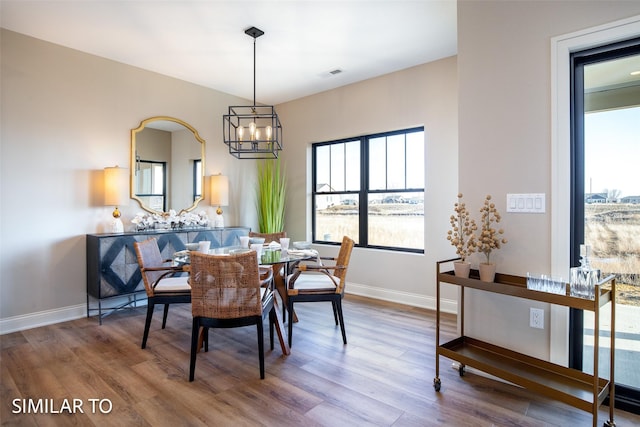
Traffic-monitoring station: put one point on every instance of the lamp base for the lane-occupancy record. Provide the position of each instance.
(218, 221)
(117, 226)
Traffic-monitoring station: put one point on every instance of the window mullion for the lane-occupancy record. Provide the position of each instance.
(364, 190)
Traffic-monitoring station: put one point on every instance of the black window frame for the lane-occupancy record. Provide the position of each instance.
(197, 176)
(362, 194)
(627, 398)
(164, 182)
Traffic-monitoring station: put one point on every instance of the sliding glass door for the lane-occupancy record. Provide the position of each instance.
(606, 202)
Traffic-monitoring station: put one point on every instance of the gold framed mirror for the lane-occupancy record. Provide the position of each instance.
(167, 165)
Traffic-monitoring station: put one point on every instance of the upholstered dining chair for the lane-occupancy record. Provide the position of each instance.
(313, 282)
(278, 269)
(226, 292)
(161, 282)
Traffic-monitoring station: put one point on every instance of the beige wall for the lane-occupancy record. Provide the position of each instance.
(504, 70)
(65, 116)
(423, 95)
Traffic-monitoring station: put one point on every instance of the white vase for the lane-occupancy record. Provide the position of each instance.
(461, 268)
(487, 271)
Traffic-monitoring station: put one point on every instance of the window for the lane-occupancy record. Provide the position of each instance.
(197, 179)
(371, 189)
(151, 184)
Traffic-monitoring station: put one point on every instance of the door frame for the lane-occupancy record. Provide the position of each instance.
(562, 199)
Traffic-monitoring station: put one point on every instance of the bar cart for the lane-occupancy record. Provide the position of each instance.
(571, 386)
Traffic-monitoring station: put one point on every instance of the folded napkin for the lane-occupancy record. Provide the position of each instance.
(181, 258)
(306, 253)
(273, 245)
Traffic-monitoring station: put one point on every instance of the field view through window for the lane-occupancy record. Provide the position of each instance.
(372, 190)
(612, 229)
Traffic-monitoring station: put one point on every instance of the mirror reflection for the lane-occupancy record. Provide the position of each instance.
(167, 165)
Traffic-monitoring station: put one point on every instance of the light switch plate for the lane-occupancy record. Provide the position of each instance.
(526, 203)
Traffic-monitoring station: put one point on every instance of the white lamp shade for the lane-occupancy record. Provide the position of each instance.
(219, 189)
(116, 186)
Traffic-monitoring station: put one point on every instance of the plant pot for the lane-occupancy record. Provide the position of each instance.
(461, 269)
(487, 272)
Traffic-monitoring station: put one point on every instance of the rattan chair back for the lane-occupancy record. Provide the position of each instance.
(225, 286)
(269, 237)
(344, 256)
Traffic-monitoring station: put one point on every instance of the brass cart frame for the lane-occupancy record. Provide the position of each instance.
(571, 386)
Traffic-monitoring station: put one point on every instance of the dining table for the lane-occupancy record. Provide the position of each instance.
(270, 255)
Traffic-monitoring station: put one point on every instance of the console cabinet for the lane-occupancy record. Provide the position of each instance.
(571, 386)
(112, 266)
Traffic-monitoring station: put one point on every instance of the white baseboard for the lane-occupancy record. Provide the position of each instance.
(42, 318)
(49, 317)
(400, 297)
(65, 314)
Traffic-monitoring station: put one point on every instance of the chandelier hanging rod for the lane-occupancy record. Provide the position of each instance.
(255, 33)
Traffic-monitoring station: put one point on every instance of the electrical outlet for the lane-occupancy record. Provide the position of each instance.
(536, 318)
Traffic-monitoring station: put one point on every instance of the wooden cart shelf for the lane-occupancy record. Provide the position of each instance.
(571, 386)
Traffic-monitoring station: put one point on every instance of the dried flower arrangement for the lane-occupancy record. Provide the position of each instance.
(462, 231)
(166, 220)
(489, 238)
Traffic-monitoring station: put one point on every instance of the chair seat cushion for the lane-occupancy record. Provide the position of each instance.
(315, 282)
(173, 284)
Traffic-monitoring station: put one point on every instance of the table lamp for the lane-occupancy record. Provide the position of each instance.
(219, 189)
(116, 193)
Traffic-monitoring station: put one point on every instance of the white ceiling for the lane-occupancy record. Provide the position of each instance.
(204, 41)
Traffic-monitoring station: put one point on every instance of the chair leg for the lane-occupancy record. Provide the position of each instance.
(338, 304)
(272, 321)
(164, 316)
(195, 330)
(290, 322)
(261, 347)
(206, 339)
(335, 312)
(147, 323)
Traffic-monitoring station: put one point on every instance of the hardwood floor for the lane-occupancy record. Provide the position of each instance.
(383, 377)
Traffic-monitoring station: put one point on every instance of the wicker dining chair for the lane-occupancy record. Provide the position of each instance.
(226, 292)
(161, 282)
(313, 282)
(278, 269)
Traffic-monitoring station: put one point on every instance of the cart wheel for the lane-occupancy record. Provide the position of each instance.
(436, 384)
(461, 370)
(609, 423)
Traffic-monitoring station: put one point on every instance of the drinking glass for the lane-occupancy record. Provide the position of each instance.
(203, 246)
(258, 248)
(284, 243)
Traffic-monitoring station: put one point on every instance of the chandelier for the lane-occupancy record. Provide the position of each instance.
(252, 131)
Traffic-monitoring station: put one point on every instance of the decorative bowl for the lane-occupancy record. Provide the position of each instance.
(192, 246)
(256, 240)
(302, 245)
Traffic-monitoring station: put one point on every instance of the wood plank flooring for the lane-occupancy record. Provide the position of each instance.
(383, 377)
